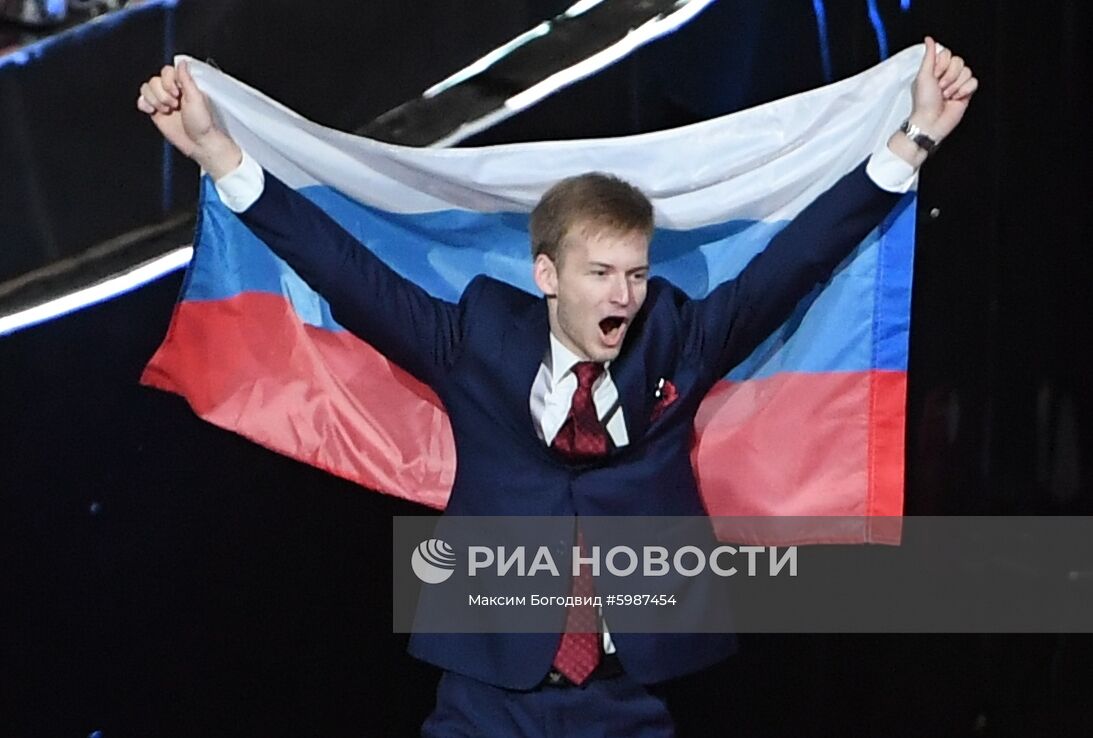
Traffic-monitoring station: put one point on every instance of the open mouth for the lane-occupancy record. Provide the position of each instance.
(611, 329)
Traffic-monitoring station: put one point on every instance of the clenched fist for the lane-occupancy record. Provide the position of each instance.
(181, 113)
(941, 92)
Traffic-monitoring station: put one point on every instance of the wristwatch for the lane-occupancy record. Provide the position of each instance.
(921, 140)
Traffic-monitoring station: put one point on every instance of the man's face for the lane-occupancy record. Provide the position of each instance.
(596, 289)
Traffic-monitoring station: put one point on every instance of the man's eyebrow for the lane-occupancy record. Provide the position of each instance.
(643, 268)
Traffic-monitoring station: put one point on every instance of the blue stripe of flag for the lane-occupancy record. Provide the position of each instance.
(864, 306)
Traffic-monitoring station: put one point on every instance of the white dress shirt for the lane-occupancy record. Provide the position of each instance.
(552, 394)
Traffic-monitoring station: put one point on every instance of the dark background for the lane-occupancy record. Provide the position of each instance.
(161, 577)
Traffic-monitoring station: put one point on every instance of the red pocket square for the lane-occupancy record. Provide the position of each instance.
(666, 394)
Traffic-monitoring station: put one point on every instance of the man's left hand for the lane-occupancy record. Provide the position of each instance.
(941, 91)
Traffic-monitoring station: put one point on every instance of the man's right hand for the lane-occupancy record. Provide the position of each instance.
(181, 113)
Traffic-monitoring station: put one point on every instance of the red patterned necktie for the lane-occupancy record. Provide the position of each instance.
(581, 438)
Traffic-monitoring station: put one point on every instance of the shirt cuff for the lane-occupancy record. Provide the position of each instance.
(242, 186)
(889, 172)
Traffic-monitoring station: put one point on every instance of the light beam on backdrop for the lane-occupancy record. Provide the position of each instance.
(878, 28)
(820, 10)
(107, 289)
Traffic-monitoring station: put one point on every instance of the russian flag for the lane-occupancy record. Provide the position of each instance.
(812, 423)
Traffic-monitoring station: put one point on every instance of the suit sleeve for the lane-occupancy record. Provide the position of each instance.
(727, 325)
(398, 318)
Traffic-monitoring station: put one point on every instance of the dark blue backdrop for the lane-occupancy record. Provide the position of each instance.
(161, 577)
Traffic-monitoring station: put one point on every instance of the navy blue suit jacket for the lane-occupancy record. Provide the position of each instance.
(482, 354)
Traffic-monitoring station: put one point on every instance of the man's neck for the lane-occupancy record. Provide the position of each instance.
(561, 359)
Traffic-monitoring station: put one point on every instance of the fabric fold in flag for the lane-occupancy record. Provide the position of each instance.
(811, 424)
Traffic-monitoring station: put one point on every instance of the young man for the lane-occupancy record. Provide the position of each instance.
(553, 400)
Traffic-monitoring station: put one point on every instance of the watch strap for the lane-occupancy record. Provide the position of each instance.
(921, 139)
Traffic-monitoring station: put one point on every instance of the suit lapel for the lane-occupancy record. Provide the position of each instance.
(526, 342)
(629, 374)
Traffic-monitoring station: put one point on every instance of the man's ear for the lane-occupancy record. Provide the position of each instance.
(545, 272)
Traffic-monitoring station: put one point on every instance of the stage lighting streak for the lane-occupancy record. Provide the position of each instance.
(646, 32)
(820, 10)
(107, 289)
(488, 60)
(579, 7)
(167, 177)
(878, 28)
(167, 192)
(651, 29)
(904, 5)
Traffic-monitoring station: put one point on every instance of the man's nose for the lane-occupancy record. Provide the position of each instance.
(621, 291)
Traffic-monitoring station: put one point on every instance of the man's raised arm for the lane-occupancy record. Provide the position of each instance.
(398, 318)
(737, 316)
